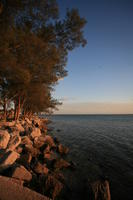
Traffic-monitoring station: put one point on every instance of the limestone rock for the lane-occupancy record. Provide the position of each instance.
(4, 139)
(20, 172)
(99, 190)
(14, 142)
(8, 159)
(35, 133)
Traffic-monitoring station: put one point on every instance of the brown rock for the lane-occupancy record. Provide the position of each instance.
(49, 140)
(19, 127)
(28, 121)
(13, 191)
(4, 139)
(62, 150)
(99, 190)
(8, 159)
(26, 140)
(32, 150)
(41, 169)
(20, 172)
(54, 186)
(35, 133)
(25, 159)
(60, 163)
(14, 142)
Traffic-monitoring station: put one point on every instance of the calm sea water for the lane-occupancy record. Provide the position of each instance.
(101, 145)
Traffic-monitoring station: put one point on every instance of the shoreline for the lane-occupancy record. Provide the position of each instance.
(32, 158)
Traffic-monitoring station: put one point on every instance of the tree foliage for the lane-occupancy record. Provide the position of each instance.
(34, 46)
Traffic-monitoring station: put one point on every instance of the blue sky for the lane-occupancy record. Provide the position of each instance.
(102, 72)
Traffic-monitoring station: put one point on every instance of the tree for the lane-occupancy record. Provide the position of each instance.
(34, 46)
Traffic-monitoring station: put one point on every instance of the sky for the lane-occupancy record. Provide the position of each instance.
(100, 76)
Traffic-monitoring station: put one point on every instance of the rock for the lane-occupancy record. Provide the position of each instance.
(47, 156)
(62, 150)
(11, 190)
(28, 121)
(8, 159)
(47, 149)
(26, 140)
(53, 186)
(60, 163)
(36, 122)
(19, 149)
(19, 127)
(25, 159)
(35, 133)
(38, 142)
(14, 142)
(32, 150)
(12, 123)
(99, 190)
(41, 169)
(49, 140)
(20, 172)
(4, 139)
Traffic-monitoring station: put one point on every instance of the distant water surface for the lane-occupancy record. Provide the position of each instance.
(101, 145)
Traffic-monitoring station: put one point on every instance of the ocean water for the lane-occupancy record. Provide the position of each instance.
(101, 146)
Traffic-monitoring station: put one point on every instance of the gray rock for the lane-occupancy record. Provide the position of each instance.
(20, 172)
(8, 159)
(11, 190)
(4, 139)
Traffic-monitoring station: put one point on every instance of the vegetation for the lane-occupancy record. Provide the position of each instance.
(34, 46)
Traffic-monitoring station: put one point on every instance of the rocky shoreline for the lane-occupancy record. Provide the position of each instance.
(35, 162)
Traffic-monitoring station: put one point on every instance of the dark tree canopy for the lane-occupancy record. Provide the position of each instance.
(34, 45)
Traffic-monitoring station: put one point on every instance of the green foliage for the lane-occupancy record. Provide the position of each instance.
(34, 45)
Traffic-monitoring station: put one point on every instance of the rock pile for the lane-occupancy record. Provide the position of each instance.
(31, 157)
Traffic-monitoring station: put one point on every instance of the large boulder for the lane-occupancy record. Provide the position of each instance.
(4, 139)
(14, 142)
(35, 133)
(11, 190)
(20, 172)
(8, 159)
(99, 190)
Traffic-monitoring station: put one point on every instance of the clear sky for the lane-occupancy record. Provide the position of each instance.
(100, 76)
